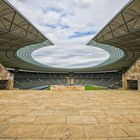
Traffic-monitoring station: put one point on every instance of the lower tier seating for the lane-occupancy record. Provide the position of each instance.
(27, 80)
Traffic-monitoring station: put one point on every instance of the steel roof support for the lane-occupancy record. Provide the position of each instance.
(125, 22)
(12, 21)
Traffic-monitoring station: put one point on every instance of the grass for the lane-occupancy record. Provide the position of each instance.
(86, 88)
(48, 88)
(93, 88)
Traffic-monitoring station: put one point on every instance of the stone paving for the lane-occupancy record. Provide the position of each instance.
(70, 115)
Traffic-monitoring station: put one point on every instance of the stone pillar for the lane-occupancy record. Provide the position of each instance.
(138, 85)
(125, 84)
(72, 81)
(10, 83)
(6, 76)
(68, 80)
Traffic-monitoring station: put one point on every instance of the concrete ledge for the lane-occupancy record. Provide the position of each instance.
(67, 88)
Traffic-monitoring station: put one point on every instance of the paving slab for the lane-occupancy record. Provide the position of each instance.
(69, 115)
(26, 130)
(64, 131)
(35, 139)
(130, 138)
(104, 131)
(21, 119)
(67, 112)
(51, 119)
(7, 138)
(133, 130)
(3, 127)
(133, 118)
(111, 119)
(17, 112)
(81, 120)
(41, 112)
(3, 118)
(91, 112)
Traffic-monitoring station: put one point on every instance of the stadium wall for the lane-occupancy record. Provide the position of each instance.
(133, 73)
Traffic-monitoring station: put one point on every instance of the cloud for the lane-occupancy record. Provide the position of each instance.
(81, 34)
(72, 56)
(84, 3)
(69, 23)
(60, 19)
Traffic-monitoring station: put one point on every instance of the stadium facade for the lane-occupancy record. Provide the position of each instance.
(120, 38)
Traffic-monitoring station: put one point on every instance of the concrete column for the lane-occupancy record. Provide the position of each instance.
(10, 83)
(72, 81)
(125, 84)
(138, 85)
(68, 80)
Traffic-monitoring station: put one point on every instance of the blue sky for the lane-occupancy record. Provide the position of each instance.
(69, 22)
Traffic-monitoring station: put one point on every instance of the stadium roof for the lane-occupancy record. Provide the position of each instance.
(16, 32)
(19, 38)
(123, 32)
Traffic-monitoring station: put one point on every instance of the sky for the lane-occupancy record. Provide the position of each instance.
(69, 23)
(88, 57)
